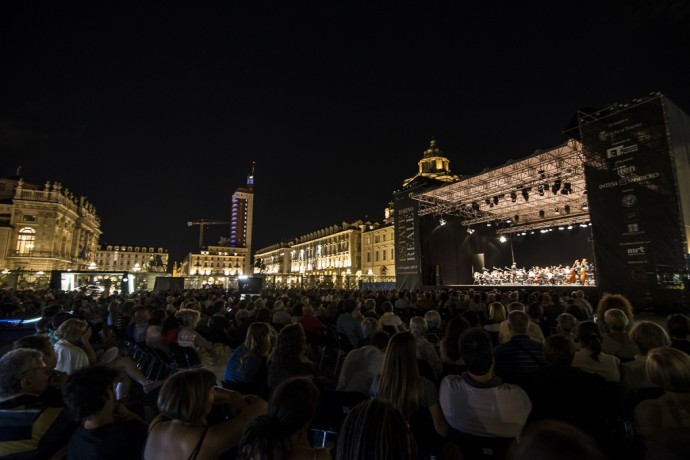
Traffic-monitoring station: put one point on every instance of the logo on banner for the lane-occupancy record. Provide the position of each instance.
(629, 201)
(620, 150)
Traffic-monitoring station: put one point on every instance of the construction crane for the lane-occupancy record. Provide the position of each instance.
(202, 223)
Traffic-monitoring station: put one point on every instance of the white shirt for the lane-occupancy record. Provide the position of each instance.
(70, 357)
(360, 367)
(495, 409)
(607, 366)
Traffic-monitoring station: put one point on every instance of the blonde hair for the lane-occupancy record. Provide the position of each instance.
(185, 395)
(669, 368)
(433, 319)
(497, 312)
(72, 329)
(615, 319)
(188, 317)
(648, 335)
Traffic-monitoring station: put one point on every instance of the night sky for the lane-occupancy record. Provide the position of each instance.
(155, 111)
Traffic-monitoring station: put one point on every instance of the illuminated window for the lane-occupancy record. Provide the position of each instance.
(26, 240)
(28, 218)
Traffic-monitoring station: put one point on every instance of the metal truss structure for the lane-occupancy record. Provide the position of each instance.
(544, 190)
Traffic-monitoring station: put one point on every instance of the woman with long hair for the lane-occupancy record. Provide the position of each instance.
(247, 363)
(609, 301)
(416, 397)
(181, 430)
(283, 433)
(590, 358)
(288, 356)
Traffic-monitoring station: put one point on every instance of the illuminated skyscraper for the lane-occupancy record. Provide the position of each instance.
(242, 215)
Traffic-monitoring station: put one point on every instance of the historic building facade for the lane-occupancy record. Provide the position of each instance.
(43, 229)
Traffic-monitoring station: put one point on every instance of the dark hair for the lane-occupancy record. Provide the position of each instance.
(678, 325)
(554, 439)
(85, 391)
(380, 339)
(157, 317)
(559, 349)
(293, 405)
(476, 349)
(589, 336)
(289, 346)
(375, 430)
(40, 342)
(451, 339)
(349, 305)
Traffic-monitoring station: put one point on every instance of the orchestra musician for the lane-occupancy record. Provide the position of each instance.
(571, 277)
(584, 268)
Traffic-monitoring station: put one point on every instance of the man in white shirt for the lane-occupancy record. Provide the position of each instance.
(477, 402)
(362, 364)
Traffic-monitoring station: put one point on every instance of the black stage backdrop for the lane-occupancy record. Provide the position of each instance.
(635, 207)
(450, 254)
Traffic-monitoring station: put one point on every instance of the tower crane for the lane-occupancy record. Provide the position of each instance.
(202, 223)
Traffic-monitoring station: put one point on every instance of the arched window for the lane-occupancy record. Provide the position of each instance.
(26, 240)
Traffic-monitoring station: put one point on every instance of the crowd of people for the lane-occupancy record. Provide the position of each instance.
(426, 374)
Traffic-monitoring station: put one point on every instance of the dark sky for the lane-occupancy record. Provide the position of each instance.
(155, 111)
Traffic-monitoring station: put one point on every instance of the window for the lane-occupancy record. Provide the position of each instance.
(368, 256)
(28, 218)
(26, 240)
(377, 256)
(383, 253)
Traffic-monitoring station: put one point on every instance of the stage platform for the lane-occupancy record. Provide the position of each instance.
(592, 293)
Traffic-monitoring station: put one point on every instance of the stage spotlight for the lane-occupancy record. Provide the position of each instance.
(488, 224)
(525, 193)
(556, 186)
(541, 213)
(513, 197)
(442, 221)
(495, 200)
(585, 207)
(503, 239)
(566, 208)
(540, 189)
(470, 230)
(570, 227)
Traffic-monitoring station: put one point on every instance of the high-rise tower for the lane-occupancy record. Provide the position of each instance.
(242, 215)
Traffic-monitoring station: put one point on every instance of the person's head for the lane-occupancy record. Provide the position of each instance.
(188, 317)
(157, 317)
(23, 371)
(186, 395)
(41, 343)
(375, 430)
(518, 322)
(497, 312)
(258, 338)
(669, 368)
(516, 306)
(609, 301)
(58, 318)
(418, 326)
(387, 306)
(476, 349)
(87, 391)
(290, 345)
(678, 325)
(554, 439)
(349, 305)
(369, 326)
(566, 324)
(589, 337)
(535, 311)
(399, 381)
(380, 340)
(648, 335)
(559, 350)
(292, 407)
(72, 330)
(369, 304)
(433, 319)
(615, 319)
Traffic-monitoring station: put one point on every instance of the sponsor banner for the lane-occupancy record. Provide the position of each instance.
(407, 244)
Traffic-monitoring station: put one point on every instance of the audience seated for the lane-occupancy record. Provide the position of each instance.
(561, 392)
(678, 329)
(566, 325)
(247, 363)
(73, 346)
(390, 319)
(533, 330)
(664, 422)
(647, 335)
(617, 342)
(363, 364)
(288, 356)
(284, 431)
(609, 301)
(554, 439)
(519, 356)
(590, 358)
(477, 402)
(107, 430)
(349, 325)
(449, 348)
(376, 430)
(425, 349)
(31, 429)
(182, 432)
(433, 333)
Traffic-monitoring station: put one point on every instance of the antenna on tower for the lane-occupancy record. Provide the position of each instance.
(19, 171)
(250, 177)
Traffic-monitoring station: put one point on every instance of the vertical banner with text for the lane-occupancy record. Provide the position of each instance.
(407, 246)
